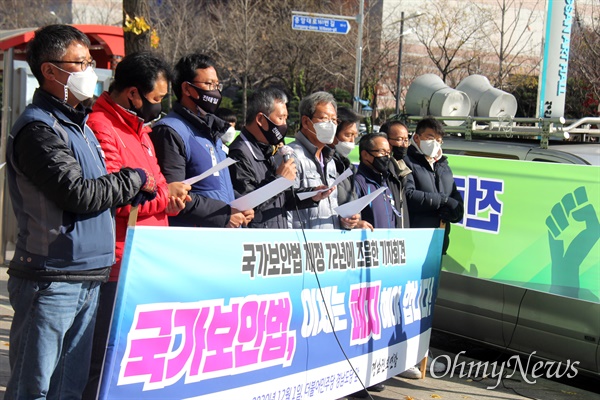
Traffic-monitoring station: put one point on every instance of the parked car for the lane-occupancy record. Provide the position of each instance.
(509, 316)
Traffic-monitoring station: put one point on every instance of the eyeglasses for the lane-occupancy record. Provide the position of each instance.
(211, 85)
(379, 153)
(327, 119)
(439, 140)
(399, 140)
(84, 64)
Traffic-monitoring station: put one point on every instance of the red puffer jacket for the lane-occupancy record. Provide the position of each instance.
(125, 142)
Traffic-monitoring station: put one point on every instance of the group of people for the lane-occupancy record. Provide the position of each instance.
(76, 176)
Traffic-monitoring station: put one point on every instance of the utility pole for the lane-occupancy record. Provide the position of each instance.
(359, 20)
(398, 78)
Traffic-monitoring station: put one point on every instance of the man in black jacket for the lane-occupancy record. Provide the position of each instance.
(433, 199)
(388, 210)
(63, 200)
(258, 161)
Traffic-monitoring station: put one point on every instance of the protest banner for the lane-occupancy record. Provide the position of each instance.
(251, 314)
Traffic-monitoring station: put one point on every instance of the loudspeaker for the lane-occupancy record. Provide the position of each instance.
(429, 95)
(486, 100)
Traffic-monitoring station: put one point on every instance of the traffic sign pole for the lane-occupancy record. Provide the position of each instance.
(330, 23)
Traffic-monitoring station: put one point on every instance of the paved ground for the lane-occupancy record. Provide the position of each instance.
(448, 387)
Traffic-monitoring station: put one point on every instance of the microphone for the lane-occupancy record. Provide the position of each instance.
(286, 152)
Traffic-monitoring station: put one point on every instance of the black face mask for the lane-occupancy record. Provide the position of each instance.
(275, 133)
(381, 164)
(149, 111)
(208, 100)
(399, 152)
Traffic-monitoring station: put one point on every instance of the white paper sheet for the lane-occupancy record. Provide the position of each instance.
(261, 194)
(354, 207)
(344, 175)
(223, 164)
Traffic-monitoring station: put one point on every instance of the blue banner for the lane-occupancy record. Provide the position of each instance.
(269, 314)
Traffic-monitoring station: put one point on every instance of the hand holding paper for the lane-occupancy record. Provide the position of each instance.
(238, 218)
(261, 194)
(355, 207)
(223, 164)
(350, 222)
(344, 175)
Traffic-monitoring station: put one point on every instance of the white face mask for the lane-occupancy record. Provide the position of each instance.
(229, 135)
(344, 148)
(430, 148)
(325, 131)
(82, 84)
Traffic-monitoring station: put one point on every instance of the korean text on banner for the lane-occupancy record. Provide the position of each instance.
(536, 227)
(238, 313)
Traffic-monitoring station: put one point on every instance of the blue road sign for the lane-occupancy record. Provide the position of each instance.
(318, 24)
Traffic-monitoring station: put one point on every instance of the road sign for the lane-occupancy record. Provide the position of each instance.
(317, 24)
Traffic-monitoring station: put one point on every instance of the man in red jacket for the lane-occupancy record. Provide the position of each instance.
(120, 120)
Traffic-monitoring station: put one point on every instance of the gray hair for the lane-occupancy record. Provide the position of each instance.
(309, 103)
(263, 101)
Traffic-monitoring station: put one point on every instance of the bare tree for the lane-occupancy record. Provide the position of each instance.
(450, 30)
(510, 34)
(303, 61)
(240, 45)
(380, 61)
(584, 61)
(255, 44)
(102, 12)
(35, 13)
(183, 27)
(32, 13)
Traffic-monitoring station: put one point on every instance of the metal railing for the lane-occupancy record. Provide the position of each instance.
(532, 128)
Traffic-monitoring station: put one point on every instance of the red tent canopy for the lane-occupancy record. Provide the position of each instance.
(107, 42)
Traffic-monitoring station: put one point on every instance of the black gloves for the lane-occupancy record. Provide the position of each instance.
(452, 210)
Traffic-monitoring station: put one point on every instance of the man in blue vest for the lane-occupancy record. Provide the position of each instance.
(188, 143)
(63, 200)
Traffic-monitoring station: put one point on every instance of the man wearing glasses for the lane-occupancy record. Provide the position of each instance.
(397, 135)
(433, 199)
(188, 143)
(63, 199)
(387, 210)
(315, 166)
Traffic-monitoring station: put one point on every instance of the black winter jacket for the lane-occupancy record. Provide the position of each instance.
(431, 193)
(345, 189)
(256, 167)
(388, 210)
(62, 195)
